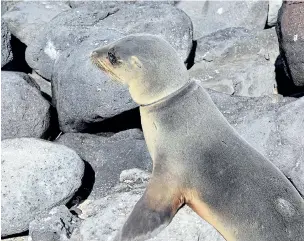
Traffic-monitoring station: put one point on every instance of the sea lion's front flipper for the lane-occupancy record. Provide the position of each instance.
(152, 213)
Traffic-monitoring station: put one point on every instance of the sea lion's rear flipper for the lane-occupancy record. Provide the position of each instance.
(152, 213)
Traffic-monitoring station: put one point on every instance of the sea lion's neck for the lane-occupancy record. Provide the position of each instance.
(145, 92)
(179, 91)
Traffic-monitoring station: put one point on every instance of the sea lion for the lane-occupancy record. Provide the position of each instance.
(198, 158)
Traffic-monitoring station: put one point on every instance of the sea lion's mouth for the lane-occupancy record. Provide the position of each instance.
(104, 67)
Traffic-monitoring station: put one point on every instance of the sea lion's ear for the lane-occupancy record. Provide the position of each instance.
(151, 214)
(135, 61)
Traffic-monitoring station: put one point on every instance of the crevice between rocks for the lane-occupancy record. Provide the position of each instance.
(86, 187)
(53, 130)
(25, 233)
(285, 85)
(190, 60)
(291, 181)
(18, 63)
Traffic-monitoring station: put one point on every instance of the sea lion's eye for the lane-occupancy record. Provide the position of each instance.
(112, 58)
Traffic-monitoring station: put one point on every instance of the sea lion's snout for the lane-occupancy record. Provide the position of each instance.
(94, 55)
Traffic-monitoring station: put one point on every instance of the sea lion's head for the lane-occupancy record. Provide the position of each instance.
(146, 63)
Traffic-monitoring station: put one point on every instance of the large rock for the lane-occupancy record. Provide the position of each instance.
(26, 19)
(104, 217)
(36, 176)
(274, 126)
(6, 50)
(109, 156)
(83, 94)
(74, 26)
(290, 30)
(25, 113)
(237, 61)
(211, 16)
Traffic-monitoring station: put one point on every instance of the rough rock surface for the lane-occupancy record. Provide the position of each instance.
(36, 176)
(109, 156)
(76, 4)
(237, 61)
(290, 30)
(6, 5)
(274, 7)
(25, 19)
(274, 126)
(210, 16)
(6, 50)
(72, 27)
(57, 225)
(25, 113)
(104, 217)
(77, 80)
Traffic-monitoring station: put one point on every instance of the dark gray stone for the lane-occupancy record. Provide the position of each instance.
(290, 30)
(26, 19)
(274, 126)
(83, 94)
(25, 113)
(109, 156)
(6, 49)
(237, 61)
(37, 175)
(72, 27)
(57, 225)
(211, 16)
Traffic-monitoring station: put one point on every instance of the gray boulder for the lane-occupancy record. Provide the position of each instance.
(26, 19)
(104, 217)
(237, 61)
(210, 16)
(57, 225)
(6, 50)
(109, 156)
(75, 25)
(36, 176)
(290, 30)
(274, 126)
(82, 93)
(25, 113)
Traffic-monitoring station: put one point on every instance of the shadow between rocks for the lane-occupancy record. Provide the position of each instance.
(86, 187)
(190, 60)
(53, 130)
(285, 85)
(127, 120)
(25, 233)
(18, 63)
